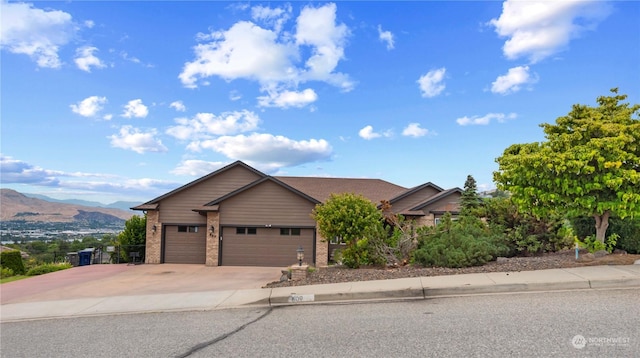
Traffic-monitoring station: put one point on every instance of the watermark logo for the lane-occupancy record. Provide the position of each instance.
(579, 341)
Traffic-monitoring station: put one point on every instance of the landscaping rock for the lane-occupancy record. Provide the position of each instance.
(637, 262)
(502, 260)
(601, 253)
(587, 257)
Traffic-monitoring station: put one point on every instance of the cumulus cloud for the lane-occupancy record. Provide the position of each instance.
(178, 106)
(414, 130)
(85, 59)
(431, 83)
(17, 171)
(205, 125)
(368, 133)
(286, 99)
(135, 108)
(539, 29)
(35, 32)
(272, 57)
(486, 119)
(89, 107)
(196, 168)
(514, 79)
(386, 37)
(267, 150)
(134, 139)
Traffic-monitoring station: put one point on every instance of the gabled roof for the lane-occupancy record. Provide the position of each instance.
(414, 190)
(321, 188)
(436, 197)
(258, 182)
(146, 206)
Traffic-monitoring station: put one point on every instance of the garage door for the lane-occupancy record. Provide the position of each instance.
(185, 244)
(251, 246)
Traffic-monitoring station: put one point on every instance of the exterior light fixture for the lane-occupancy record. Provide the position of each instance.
(154, 228)
(212, 230)
(300, 252)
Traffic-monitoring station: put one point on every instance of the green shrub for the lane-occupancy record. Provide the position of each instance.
(593, 245)
(463, 243)
(47, 268)
(628, 230)
(6, 272)
(13, 261)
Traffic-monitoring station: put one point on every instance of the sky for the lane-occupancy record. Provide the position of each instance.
(119, 100)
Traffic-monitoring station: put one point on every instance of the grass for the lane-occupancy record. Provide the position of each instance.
(12, 278)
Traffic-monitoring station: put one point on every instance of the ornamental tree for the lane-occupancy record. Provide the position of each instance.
(589, 165)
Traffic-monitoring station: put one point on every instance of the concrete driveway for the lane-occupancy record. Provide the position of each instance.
(124, 280)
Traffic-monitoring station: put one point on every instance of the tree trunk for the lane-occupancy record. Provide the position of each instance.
(602, 223)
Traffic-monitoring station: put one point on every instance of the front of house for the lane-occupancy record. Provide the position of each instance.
(238, 216)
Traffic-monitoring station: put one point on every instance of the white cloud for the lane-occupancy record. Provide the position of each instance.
(131, 138)
(274, 17)
(272, 57)
(286, 99)
(205, 125)
(85, 59)
(35, 32)
(539, 29)
(234, 95)
(196, 168)
(386, 37)
(135, 108)
(89, 24)
(486, 119)
(414, 130)
(89, 107)
(368, 133)
(178, 106)
(431, 83)
(267, 150)
(513, 80)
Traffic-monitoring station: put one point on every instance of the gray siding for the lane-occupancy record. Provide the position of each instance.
(267, 204)
(178, 208)
(414, 199)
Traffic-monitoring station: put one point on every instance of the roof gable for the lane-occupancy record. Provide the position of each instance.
(321, 188)
(436, 198)
(258, 182)
(148, 204)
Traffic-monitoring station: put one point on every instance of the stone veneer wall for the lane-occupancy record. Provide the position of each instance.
(154, 239)
(322, 251)
(213, 219)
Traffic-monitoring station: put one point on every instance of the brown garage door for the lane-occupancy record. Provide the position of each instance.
(185, 244)
(246, 246)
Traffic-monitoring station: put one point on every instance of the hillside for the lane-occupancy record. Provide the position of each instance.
(16, 206)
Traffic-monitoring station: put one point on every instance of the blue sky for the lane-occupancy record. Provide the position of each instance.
(121, 100)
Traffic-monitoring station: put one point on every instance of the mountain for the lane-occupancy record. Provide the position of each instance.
(15, 206)
(122, 205)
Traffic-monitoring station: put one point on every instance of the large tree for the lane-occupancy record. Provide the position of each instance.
(589, 164)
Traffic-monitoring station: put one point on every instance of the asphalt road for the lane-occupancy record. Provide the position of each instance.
(593, 323)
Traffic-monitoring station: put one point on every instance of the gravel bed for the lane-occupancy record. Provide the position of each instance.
(564, 259)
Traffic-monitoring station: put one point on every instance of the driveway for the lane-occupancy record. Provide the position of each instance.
(124, 280)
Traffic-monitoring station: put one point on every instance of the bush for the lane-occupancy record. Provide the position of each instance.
(628, 231)
(12, 260)
(47, 268)
(6, 272)
(463, 243)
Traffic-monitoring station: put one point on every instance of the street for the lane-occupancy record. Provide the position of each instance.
(589, 323)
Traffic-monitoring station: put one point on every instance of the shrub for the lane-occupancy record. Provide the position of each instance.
(463, 243)
(628, 230)
(593, 245)
(12, 260)
(6, 272)
(47, 268)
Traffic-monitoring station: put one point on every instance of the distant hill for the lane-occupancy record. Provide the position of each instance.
(16, 206)
(122, 205)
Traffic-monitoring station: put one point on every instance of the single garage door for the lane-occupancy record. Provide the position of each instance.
(185, 244)
(274, 246)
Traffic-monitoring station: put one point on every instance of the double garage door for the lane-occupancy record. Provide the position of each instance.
(251, 246)
(239, 246)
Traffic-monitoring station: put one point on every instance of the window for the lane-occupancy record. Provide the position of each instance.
(246, 230)
(241, 230)
(252, 231)
(184, 228)
(285, 231)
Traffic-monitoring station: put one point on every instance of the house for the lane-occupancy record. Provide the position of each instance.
(239, 216)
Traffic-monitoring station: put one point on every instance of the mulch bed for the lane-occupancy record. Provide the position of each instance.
(564, 259)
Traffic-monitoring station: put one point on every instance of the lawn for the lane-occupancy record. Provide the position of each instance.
(12, 278)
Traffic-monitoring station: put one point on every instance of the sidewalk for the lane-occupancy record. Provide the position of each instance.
(590, 277)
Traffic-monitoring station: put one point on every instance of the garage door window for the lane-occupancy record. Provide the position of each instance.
(246, 231)
(285, 231)
(184, 228)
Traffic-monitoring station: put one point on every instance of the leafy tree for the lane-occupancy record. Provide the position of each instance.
(134, 236)
(351, 218)
(589, 165)
(470, 200)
